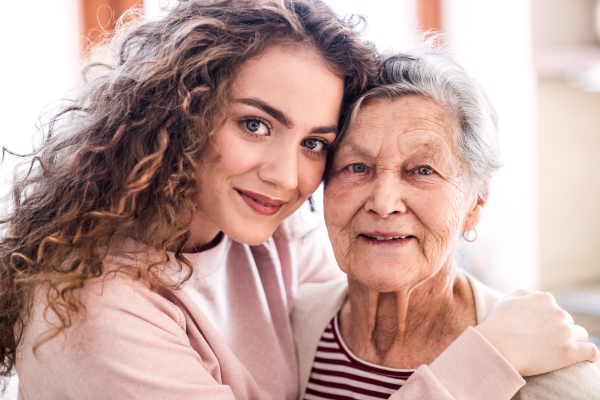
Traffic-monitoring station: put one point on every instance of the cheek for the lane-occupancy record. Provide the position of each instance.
(234, 156)
(341, 206)
(338, 203)
(439, 211)
(310, 173)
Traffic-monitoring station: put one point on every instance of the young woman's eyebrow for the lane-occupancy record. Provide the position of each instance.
(273, 112)
(325, 129)
(282, 118)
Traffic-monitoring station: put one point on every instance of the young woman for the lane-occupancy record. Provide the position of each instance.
(145, 256)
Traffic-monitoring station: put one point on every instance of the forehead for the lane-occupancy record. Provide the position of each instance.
(411, 121)
(283, 65)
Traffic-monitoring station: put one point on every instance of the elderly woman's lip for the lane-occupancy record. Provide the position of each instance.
(386, 236)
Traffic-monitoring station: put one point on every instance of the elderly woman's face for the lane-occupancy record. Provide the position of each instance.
(397, 196)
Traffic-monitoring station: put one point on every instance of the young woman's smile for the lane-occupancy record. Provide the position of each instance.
(269, 156)
(261, 204)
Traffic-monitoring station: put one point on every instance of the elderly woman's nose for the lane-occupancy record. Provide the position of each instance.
(280, 168)
(386, 196)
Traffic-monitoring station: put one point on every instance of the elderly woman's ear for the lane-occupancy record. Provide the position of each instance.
(476, 209)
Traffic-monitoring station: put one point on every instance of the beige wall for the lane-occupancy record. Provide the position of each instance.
(569, 184)
(563, 22)
(568, 152)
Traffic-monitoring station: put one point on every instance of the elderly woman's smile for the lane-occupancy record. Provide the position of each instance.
(397, 196)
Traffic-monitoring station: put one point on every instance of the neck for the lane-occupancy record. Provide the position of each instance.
(203, 234)
(409, 326)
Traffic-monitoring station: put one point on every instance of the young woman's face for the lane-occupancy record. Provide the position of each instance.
(270, 154)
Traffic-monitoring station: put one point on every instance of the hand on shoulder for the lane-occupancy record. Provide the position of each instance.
(534, 334)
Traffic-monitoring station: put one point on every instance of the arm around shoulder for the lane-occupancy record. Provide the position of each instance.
(471, 368)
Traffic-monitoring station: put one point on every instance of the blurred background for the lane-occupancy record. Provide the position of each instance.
(538, 60)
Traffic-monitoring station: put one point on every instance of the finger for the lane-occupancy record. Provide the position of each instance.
(585, 352)
(579, 333)
(569, 318)
(520, 293)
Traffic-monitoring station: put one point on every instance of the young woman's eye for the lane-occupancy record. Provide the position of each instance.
(256, 127)
(315, 145)
(424, 171)
(357, 168)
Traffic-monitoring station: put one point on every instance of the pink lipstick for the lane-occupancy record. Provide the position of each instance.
(261, 204)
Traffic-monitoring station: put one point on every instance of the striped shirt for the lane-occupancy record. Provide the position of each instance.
(340, 375)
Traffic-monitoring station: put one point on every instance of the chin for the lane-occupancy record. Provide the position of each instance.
(383, 277)
(252, 237)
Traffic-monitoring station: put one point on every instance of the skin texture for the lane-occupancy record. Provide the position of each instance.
(396, 174)
(283, 113)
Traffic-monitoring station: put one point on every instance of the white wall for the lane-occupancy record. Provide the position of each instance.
(390, 23)
(40, 62)
(493, 39)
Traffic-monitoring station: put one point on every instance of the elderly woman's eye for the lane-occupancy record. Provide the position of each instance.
(313, 144)
(256, 127)
(424, 171)
(357, 168)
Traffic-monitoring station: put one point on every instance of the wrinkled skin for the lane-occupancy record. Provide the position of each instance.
(396, 143)
(396, 175)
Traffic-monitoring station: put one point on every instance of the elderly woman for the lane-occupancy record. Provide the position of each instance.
(408, 179)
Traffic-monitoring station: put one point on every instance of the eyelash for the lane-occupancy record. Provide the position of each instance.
(423, 166)
(324, 151)
(243, 121)
(349, 168)
(414, 171)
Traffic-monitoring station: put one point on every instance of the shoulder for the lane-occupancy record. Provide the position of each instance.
(319, 301)
(315, 305)
(580, 381)
(127, 333)
(484, 297)
(309, 252)
(116, 304)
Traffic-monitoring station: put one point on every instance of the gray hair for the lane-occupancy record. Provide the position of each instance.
(431, 72)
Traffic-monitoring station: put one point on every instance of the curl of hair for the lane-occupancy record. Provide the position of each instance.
(120, 160)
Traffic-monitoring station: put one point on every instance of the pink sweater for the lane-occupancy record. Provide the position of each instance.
(226, 335)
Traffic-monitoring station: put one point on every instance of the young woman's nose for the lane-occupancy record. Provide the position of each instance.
(386, 197)
(280, 167)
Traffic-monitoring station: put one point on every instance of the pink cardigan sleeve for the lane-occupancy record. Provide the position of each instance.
(132, 345)
(470, 369)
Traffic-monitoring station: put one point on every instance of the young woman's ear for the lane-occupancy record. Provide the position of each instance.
(476, 210)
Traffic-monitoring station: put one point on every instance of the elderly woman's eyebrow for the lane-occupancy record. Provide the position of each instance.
(350, 149)
(434, 146)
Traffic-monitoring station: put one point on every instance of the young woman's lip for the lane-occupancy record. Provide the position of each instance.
(263, 199)
(261, 207)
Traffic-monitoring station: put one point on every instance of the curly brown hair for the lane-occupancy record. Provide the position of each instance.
(120, 160)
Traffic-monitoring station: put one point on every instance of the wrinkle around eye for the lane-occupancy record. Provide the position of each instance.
(343, 175)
